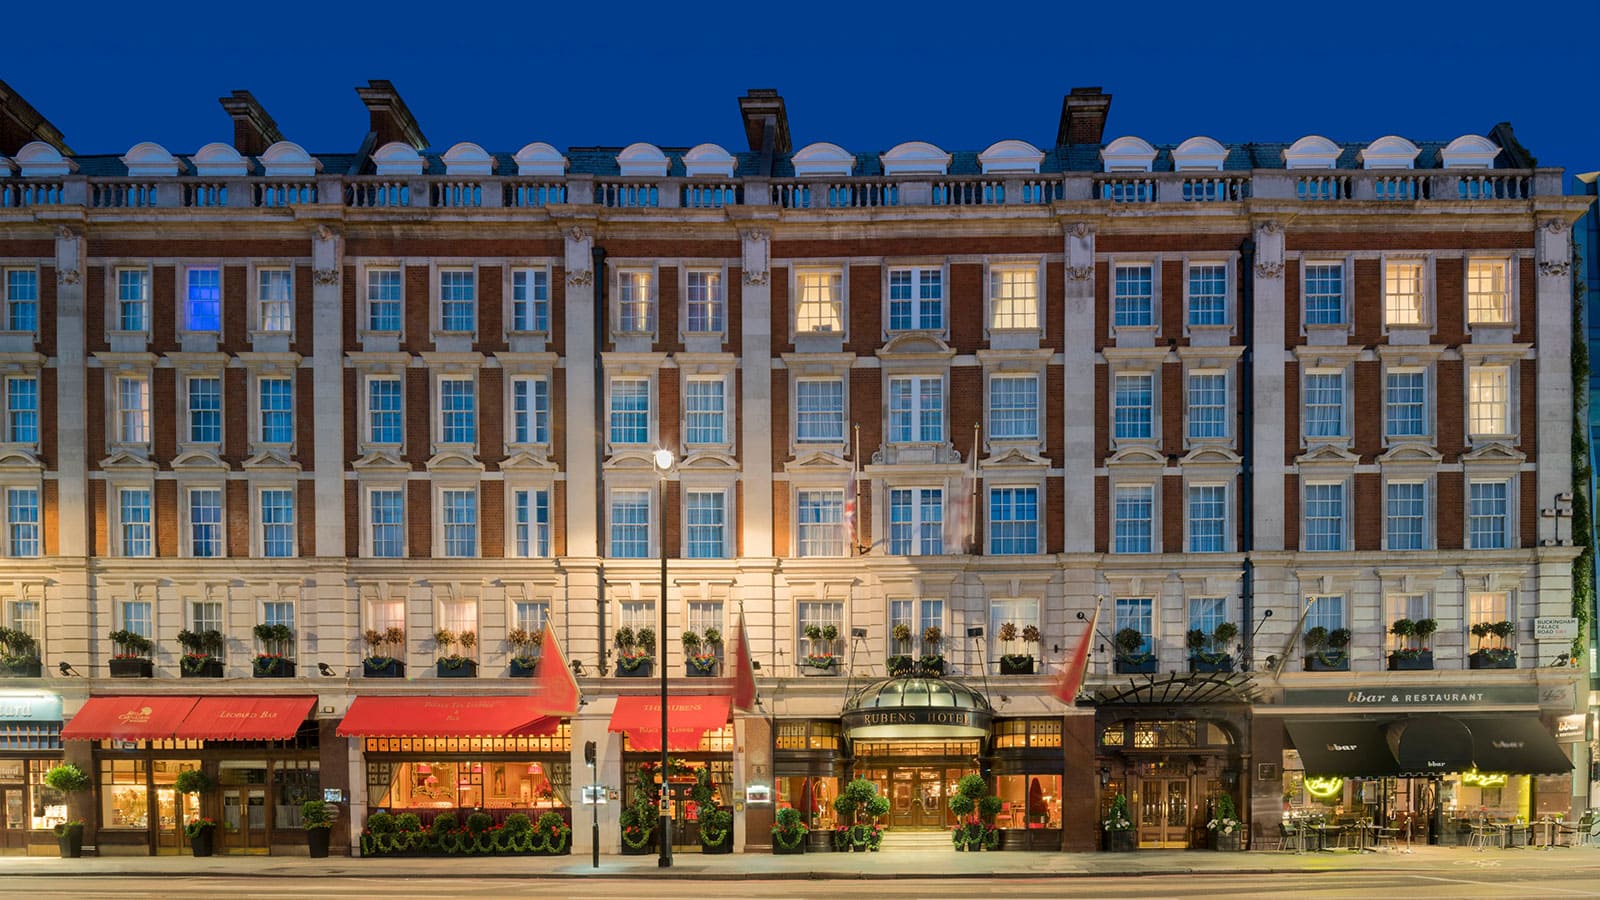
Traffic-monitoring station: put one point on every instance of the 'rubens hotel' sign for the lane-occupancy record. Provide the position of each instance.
(955, 717)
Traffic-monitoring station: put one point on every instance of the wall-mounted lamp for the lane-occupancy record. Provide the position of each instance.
(577, 667)
(1105, 775)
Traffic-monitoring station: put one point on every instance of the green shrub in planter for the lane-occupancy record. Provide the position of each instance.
(478, 823)
(193, 781)
(317, 818)
(444, 822)
(518, 823)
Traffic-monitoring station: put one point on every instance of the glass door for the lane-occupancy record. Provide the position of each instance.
(244, 807)
(930, 798)
(13, 819)
(1164, 813)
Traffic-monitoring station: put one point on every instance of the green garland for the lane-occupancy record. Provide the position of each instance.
(266, 665)
(642, 842)
(549, 841)
(799, 837)
(192, 663)
(721, 837)
(632, 663)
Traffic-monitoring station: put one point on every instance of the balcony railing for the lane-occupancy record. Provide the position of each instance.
(1117, 189)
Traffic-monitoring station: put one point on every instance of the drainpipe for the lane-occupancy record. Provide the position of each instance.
(1246, 419)
(601, 319)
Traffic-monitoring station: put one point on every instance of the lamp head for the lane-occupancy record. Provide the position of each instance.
(664, 459)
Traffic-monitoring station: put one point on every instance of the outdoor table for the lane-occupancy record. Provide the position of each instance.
(1323, 831)
(1510, 839)
(1544, 833)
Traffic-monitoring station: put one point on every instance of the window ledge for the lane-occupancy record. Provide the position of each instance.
(518, 332)
(445, 333)
(143, 333)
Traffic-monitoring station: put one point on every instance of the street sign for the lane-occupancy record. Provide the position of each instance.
(1555, 629)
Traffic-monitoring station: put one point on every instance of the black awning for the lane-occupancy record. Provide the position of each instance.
(1350, 748)
(1516, 745)
(1430, 745)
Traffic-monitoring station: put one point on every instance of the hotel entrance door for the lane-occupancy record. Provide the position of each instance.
(1164, 812)
(918, 795)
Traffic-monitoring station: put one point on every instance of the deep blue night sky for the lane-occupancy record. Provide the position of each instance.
(863, 75)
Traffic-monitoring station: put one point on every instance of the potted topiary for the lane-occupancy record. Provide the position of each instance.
(131, 658)
(1118, 827)
(69, 780)
(1209, 652)
(273, 658)
(1131, 657)
(1409, 654)
(201, 831)
(713, 644)
(317, 817)
(635, 658)
(384, 649)
(1013, 660)
(789, 832)
(900, 661)
(820, 660)
(974, 808)
(639, 817)
(1225, 827)
(1325, 650)
(1499, 656)
(526, 647)
(859, 806)
(451, 663)
(19, 654)
(932, 661)
(202, 654)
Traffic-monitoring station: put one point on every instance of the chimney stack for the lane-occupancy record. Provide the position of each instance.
(390, 119)
(253, 130)
(21, 124)
(1083, 116)
(764, 114)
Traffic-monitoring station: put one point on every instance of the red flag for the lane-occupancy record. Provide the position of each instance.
(744, 672)
(1071, 677)
(555, 691)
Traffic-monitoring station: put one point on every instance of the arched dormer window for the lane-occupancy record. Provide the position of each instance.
(822, 158)
(42, 160)
(218, 159)
(1470, 151)
(1389, 152)
(286, 158)
(1011, 156)
(467, 158)
(1128, 154)
(1311, 152)
(539, 158)
(395, 158)
(915, 158)
(708, 159)
(1199, 154)
(642, 159)
(149, 160)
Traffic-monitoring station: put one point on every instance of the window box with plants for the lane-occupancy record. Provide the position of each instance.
(526, 648)
(1015, 660)
(202, 654)
(451, 663)
(819, 655)
(383, 653)
(1210, 652)
(636, 652)
(1327, 651)
(701, 654)
(131, 656)
(69, 780)
(859, 806)
(1498, 656)
(19, 654)
(1118, 827)
(1132, 658)
(1413, 653)
(275, 658)
(317, 817)
(932, 660)
(1225, 827)
(789, 833)
(901, 662)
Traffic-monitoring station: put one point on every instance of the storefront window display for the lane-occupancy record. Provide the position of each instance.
(1028, 801)
(125, 797)
(470, 784)
(48, 805)
(813, 796)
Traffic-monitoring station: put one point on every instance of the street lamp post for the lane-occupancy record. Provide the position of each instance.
(664, 460)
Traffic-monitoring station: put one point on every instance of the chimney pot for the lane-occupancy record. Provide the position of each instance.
(1083, 116)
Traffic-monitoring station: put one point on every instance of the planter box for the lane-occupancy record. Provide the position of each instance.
(135, 667)
(1481, 660)
(389, 668)
(725, 847)
(318, 840)
(810, 671)
(1419, 663)
(204, 843)
(1119, 841)
(690, 670)
(1226, 843)
(900, 665)
(1137, 667)
(521, 668)
(1022, 666)
(819, 840)
(799, 850)
(642, 670)
(649, 848)
(933, 666)
(1199, 665)
(277, 668)
(1316, 664)
(466, 668)
(70, 842)
(31, 668)
(211, 668)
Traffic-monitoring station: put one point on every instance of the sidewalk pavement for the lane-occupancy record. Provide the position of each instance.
(896, 864)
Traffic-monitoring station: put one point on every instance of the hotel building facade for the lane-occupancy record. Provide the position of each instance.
(929, 411)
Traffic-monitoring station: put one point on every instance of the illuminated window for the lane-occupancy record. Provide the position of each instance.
(635, 302)
(1403, 293)
(203, 308)
(274, 299)
(705, 305)
(1488, 401)
(821, 302)
(1014, 297)
(1488, 292)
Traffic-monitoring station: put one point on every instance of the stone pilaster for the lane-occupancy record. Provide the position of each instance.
(1265, 416)
(1078, 399)
(71, 408)
(756, 394)
(327, 367)
(583, 448)
(1553, 248)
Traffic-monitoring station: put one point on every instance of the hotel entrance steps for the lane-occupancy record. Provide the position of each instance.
(897, 841)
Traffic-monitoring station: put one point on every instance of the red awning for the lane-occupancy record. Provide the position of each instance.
(128, 718)
(688, 719)
(444, 717)
(246, 718)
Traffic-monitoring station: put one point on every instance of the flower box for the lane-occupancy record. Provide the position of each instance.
(725, 847)
(647, 849)
(819, 666)
(1421, 662)
(819, 840)
(272, 667)
(1199, 664)
(692, 669)
(1144, 666)
(190, 667)
(1483, 659)
(524, 668)
(23, 668)
(799, 849)
(456, 667)
(931, 665)
(383, 668)
(1016, 665)
(900, 665)
(640, 670)
(1226, 842)
(1315, 663)
(132, 667)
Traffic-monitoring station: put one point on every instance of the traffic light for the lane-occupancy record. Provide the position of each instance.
(588, 752)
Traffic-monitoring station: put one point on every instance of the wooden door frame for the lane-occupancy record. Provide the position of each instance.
(14, 838)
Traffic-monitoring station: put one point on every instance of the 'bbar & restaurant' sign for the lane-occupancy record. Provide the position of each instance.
(1436, 697)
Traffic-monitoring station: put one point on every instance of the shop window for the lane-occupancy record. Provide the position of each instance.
(813, 796)
(1020, 733)
(467, 784)
(1028, 801)
(293, 783)
(49, 805)
(806, 734)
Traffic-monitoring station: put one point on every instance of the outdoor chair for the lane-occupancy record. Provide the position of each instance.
(1387, 838)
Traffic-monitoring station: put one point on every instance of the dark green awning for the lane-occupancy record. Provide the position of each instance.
(1516, 745)
(1349, 748)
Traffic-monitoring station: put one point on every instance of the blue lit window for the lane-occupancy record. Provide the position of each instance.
(204, 306)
